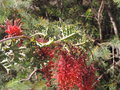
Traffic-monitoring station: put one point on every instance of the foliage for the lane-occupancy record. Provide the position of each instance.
(42, 52)
(117, 2)
(50, 28)
(108, 59)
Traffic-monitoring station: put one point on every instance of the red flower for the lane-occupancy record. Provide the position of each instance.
(73, 72)
(70, 71)
(12, 29)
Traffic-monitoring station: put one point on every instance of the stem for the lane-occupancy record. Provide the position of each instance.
(43, 45)
(15, 37)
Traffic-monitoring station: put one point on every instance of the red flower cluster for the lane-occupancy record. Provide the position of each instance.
(71, 69)
(12, 28)
(47, 70)
(73, 72)
(46, 53)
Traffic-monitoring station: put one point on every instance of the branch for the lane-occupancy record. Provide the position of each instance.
(100, 17)
(15, 37)
(113, 22)
(100, 11)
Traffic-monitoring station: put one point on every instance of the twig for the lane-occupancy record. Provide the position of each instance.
(30, 76)
(98, 79)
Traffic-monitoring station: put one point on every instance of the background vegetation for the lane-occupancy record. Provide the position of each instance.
(95, 23)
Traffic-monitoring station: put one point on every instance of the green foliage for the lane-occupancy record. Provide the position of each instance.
(15, 84)
(101, 52)
(118, 2)
(72, 23)
(107, 57)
